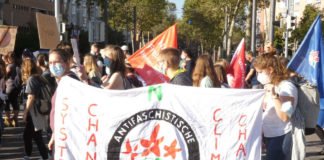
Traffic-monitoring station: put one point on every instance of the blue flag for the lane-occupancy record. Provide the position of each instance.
(309, 61)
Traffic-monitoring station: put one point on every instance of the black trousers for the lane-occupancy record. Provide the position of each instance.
(29, 135)
(13, 100)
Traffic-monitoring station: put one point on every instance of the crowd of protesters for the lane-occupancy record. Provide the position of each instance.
(107, 67)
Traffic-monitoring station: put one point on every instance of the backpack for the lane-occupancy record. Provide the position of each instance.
(308, 104)
(43, 103)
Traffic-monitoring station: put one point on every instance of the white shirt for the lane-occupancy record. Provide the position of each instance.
(206, 82)
(273, 126)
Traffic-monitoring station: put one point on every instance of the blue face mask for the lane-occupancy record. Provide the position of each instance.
(107, 62)
(57, 70)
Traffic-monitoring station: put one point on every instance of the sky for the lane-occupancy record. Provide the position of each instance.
(179, 4)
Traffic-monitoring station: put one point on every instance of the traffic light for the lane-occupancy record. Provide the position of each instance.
(291, 22)
(277, 23)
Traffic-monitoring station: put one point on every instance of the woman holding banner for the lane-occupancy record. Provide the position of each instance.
(59, 65)
(279, 104)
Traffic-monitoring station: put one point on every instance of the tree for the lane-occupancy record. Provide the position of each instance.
(151, 16)
(204, 21)
(306, 21)
(232, 14)
(248, 24)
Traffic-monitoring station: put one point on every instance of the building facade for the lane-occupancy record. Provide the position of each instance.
(22, 12)
(296, 9)
(84, 16)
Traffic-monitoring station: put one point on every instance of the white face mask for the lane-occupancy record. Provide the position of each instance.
(107, 69)
(264, 78)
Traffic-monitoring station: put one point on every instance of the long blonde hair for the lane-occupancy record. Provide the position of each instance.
(204, 67)
(90, 64)
(28, 68)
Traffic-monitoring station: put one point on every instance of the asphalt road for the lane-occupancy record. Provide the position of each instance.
(13, 148)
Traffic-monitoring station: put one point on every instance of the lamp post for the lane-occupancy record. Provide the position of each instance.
(272, 19)
(57, 6)
(253, 32)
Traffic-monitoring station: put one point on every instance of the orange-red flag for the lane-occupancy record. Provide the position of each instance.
(237, 67)
(145, 60)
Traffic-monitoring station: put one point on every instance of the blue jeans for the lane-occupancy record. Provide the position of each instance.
(279, 148)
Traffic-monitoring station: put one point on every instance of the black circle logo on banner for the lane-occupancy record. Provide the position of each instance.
(118, 138)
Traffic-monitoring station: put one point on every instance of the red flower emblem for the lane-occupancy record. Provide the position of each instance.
(171, 150)
(152, 145)
(130, 151)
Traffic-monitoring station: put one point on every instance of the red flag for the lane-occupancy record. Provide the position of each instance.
(237, 67)
(145, 60)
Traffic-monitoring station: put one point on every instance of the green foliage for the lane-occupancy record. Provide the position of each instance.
(203, 21)
(279, 41)
(149, 13)
(306, 21)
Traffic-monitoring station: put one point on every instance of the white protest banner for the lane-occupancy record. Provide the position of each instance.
(157, 122)
(48, 33)
(76, 55)
(7, 39)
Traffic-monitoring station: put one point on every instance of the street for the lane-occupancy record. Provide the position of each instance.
(13, 146)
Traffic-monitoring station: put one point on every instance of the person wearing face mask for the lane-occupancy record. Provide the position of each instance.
(279, 104)
(95, 51)
(170, 64)
(59, 65)
(78, 69)
(114, 60)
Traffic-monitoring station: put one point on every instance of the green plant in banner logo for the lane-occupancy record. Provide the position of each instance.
(155, 90)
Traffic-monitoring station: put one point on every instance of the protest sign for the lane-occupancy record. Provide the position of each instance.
(75, 48)
(47, 31)
(157, 122)
(7, 39)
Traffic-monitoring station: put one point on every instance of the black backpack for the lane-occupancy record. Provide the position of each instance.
(43, 98)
